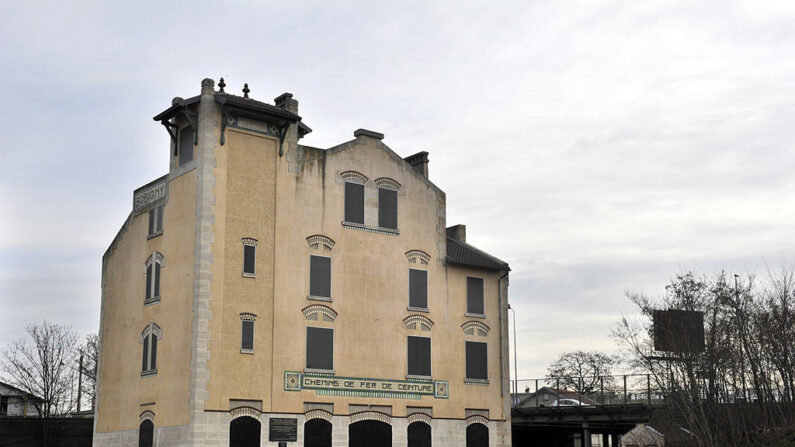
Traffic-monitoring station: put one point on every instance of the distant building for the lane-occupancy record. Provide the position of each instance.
(553, 397)
(17, 403)
(267, 291)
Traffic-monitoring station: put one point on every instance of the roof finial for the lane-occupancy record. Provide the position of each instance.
(221, 85)
(245, 90)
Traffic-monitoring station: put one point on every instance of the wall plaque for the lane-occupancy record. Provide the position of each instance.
(283, 429)
(365, 387)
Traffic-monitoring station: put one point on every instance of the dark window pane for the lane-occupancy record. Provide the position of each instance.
(157, 279)
(475, 295)
(418, 288)
(159, 226)
(477, 435)
(320, 276)
(387, 208)
(354, 202)
(149, 281)
(317, 433)
(476, 360)
(145, 360)
(419, 434)
(146, 434)
(153, 364)
(151, 221)
(248, 335)
(185, 145)
(319, 348)
(248, 258)
(245, 432)
(419, 356)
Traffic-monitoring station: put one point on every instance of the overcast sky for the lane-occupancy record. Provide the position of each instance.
(596, 146)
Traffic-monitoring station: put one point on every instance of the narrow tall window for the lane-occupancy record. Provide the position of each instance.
(156, 220)
(476, 360)
(149, 338)
(247, 342)
(146, 433)
(354, 202)
(419, 356)
(319, 348)
(319, 277)
(418, 289)
(249, 257)
(153, 266)
(4, 406)
(185, 148)
(387, 208)
(475, 296)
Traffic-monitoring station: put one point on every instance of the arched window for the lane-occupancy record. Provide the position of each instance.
(477, 435)
(149, 338)
(146, 433)
(244, 431)
(153, 266)
(419, 434)
(317, 433)
(369, 433)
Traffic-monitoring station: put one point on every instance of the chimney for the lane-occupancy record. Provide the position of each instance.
(419, 162)
(285, 101)
(458, 232)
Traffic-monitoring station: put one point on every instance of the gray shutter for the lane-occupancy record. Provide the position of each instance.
(157, 279)
(387, 208)
(145, 361)
(185, 145)
(354, 202)
(248, 258)
(149, 281)
(153, 365)
(319, 348)
(320, 276)
(419, 356)
(475, 295)
(418, 288)
(151, 221)
(476, 360)
(248, 335)
(159, 226)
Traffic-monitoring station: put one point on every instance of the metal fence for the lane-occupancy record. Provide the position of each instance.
(593, 391)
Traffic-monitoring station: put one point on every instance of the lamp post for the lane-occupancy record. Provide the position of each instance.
(515, 359)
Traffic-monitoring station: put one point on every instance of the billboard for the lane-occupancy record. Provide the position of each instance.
(679, 331)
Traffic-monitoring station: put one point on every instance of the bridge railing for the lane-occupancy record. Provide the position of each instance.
(587, 391)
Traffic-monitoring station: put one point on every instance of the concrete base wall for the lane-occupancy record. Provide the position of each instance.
(212, 430)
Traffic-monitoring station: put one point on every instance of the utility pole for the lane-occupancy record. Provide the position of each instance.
(515, 358)
(79, 382)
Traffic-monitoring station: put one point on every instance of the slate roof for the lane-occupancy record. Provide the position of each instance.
(19, 392)
(464, 254)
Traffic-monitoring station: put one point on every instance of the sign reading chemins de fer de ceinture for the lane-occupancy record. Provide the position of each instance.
(365, 387)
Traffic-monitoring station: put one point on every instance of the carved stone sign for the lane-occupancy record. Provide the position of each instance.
(365, 387)
(149, 194)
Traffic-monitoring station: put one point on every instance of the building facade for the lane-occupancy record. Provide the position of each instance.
(265, 291)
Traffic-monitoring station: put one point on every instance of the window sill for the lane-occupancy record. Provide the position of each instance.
(249, 275)
(418, 309)
(319, 298)
(322, 372)
(418, 377)
(151, 301)
(379, 230)
(154, 235)
(481, 382)
(246, 351)
(151, 372)
(471, 315)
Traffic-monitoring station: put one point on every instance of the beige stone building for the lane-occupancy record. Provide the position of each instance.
(266, 292)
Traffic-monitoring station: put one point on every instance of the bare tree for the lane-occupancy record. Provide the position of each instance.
(42, 366)
(584, 372)
(88, 352)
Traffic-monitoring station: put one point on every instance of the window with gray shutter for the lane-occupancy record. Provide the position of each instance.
(249, 252)
(157, 280)
(320, 276)
(145, 360)
(148, 283)
(247, 343)
(419, 356)
(185, 148)
(418, 288)
(152, 215)
(387, 208)
(476, 361)
(153, 352)
(156, 220)
(475, 296)
(354, 202)
(319, 348)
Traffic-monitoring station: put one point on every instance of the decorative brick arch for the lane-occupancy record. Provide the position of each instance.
(245, 411)
(326, 313)
(147, 415)
(416, 321)
(475, 328)
(371, 416)
(386, 182)
(418, 417)
(353, 176)
(318, 240)
(318, 414)
(477, 419)
(418, 256)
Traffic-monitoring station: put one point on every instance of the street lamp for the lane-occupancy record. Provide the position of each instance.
(515, 359)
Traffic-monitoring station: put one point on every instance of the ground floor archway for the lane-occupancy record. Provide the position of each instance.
(146, 433)
(244, 432)
(419, 434)
(477, 435)
(369, 434)
(317, 433)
